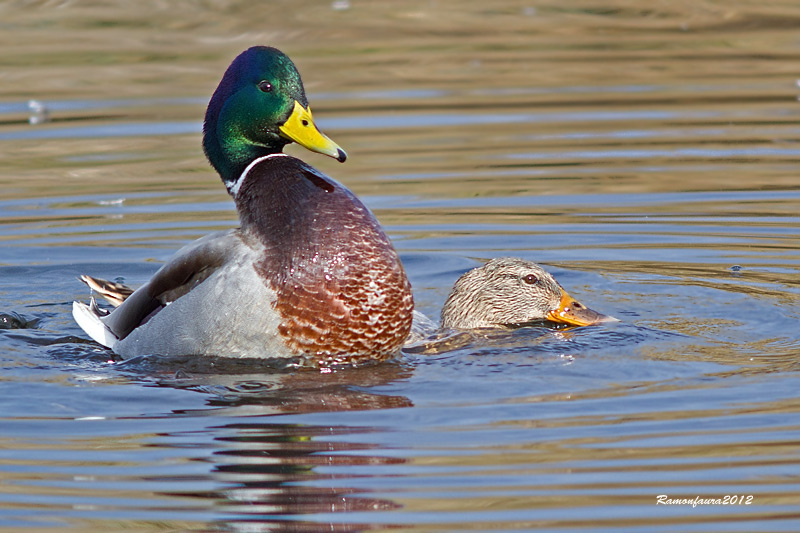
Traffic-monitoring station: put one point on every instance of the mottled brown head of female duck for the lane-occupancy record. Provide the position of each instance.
(512, 292)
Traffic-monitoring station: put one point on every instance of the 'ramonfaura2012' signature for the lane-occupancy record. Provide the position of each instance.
(735, 499)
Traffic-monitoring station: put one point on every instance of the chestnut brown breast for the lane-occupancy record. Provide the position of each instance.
(342, 293)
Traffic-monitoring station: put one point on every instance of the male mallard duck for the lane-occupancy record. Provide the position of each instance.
(508, 291)
(309, 273)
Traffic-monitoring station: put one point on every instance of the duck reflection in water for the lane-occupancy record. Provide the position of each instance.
(264, 469)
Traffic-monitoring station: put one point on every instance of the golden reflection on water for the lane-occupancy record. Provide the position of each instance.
(551, 59)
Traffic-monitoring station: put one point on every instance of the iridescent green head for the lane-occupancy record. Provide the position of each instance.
(258, 108)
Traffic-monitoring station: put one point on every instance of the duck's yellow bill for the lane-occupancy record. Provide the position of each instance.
(574, 313)
(300, 128)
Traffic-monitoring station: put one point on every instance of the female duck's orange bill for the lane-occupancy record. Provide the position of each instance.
(574, 313)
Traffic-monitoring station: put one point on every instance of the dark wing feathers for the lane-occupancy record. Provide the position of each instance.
(190, 266)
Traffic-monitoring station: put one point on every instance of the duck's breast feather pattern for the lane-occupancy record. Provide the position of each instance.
(340, 286)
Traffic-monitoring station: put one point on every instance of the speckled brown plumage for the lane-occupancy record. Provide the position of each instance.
(508, 291)
(342, 293)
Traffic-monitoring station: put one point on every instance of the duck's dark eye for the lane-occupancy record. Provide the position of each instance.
(530, 279)
(264, 86)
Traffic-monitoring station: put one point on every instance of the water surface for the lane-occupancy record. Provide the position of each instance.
(646, 156)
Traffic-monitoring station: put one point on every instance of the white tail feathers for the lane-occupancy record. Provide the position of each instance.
(88, 318)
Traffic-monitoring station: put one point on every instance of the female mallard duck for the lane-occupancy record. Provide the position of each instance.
(504, 293)
(309, 273)
(508, 291)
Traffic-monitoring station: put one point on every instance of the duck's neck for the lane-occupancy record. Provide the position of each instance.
(231, 159)
(228, 148)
